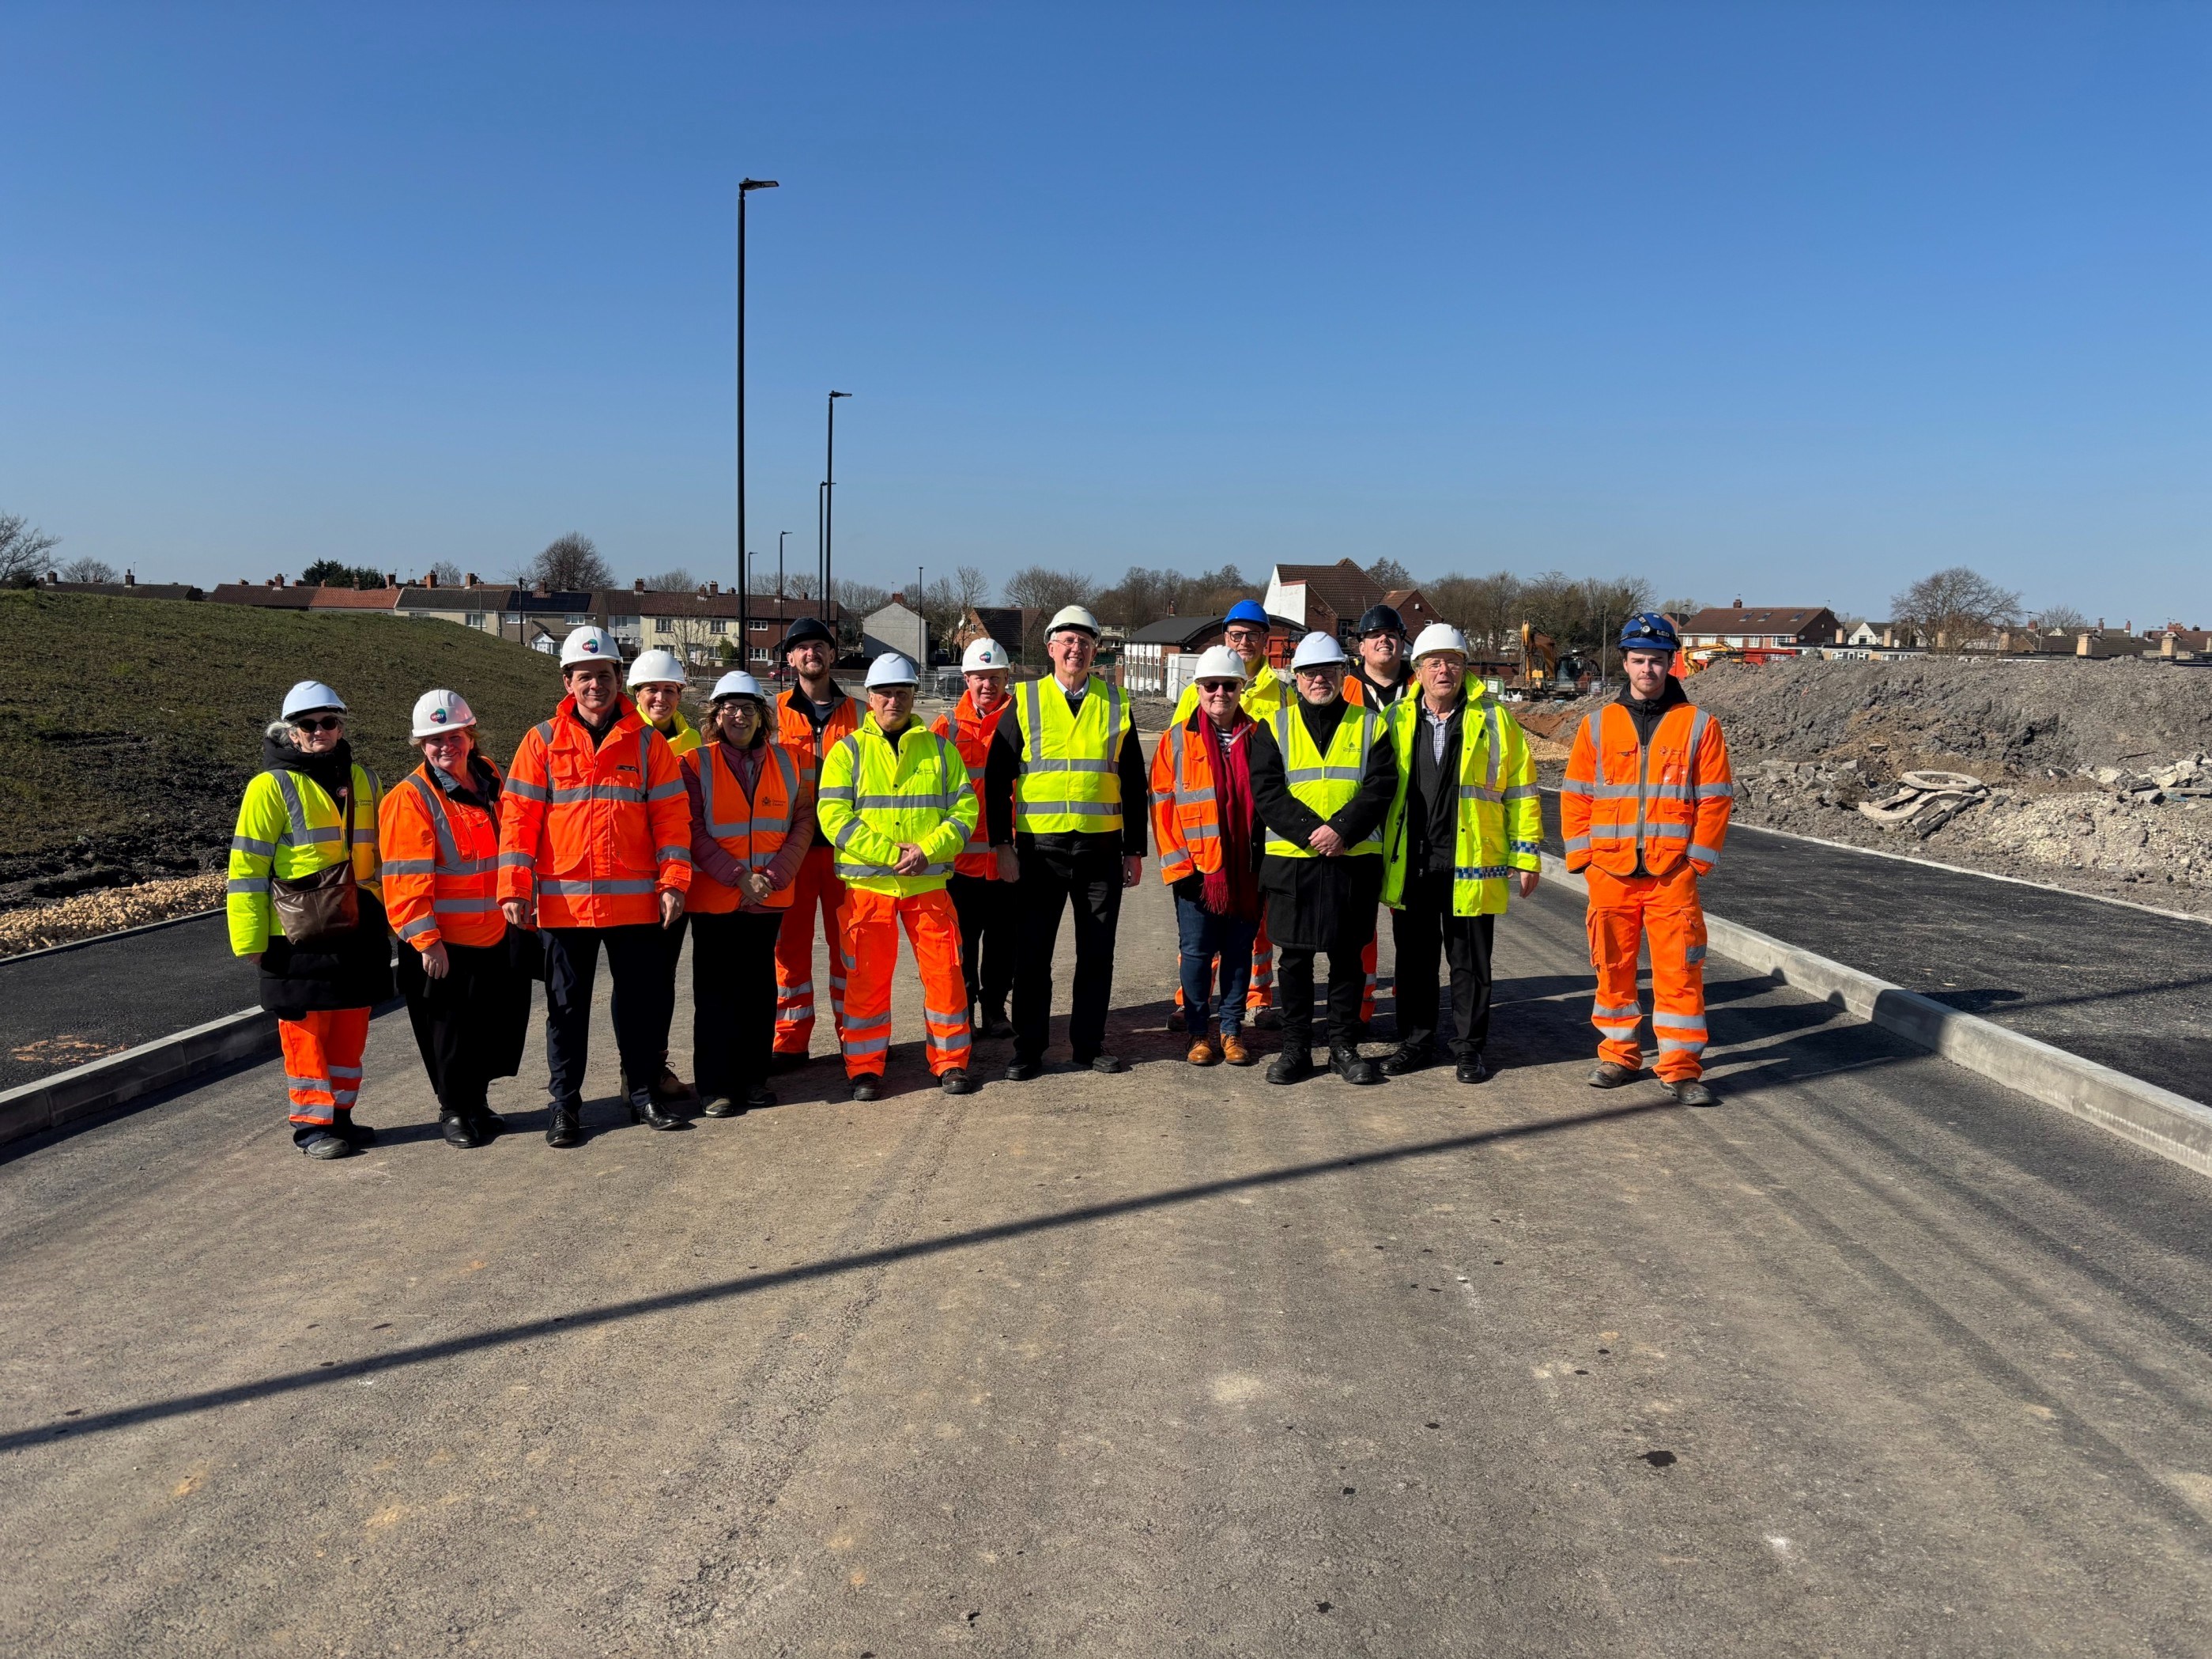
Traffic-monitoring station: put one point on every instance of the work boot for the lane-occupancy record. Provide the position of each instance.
(565, 1126)
(1607, 1075)
(869, 1085)
(719, 1106)
(644, 1109)
(1352, 1066)
(355, 1135)
(1472, 1070)
(956, 1081)
(1268, 1019)
(1692, 1092)
(758, 1098)
(1294, 1065)
(669, 1089)
(323, 1145)
(1409, 1057)
(1201, 1052)
(1107, 1063)
(1233, 1049)
(991, 1021)
(457, 1130)
(1019, 1070)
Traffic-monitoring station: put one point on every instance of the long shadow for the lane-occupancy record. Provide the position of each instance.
(725, 1290)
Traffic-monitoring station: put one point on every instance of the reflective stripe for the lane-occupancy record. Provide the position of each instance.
(1695, 953)
(1577, 843)
(295, 809)
(246, 884)
(958, 1016)
(526, 790)
(1705, 855)
(897, 803)
(420, 925)
(665, 791)
(1480, 871)
(308, 1084)
(871, 1022)
(517, 860)
(834, 791)
(1667, 1022)
(257, 848)
(1715, 792)
(1667, 832)
(958, 1040)
(1671, 1046)
(869, 1046)
(614, 792)
(464, 906)
(1521, 792)
(1577, 790)
(1532, 847)
(1616, 1011)
(593, 889)
(410, 867)
(672, 855)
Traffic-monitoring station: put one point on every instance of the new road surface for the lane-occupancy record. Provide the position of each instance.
(1873, 1359)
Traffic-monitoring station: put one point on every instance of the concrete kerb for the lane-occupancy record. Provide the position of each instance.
(2158, 1120)
(98, 1085)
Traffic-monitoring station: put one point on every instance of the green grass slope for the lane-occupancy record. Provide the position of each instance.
(129, 728)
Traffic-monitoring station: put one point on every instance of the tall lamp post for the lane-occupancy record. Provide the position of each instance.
(745, 188)
(781, 536)
(829, 494)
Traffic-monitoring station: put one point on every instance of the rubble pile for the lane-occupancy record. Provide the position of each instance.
(106, 910)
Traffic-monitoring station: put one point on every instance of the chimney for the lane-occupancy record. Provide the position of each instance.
(52, 577)
(392, 578)
(130, 578)
(714, 587)
(898, 599)
(1839, 636)
(472, 581)
(430, 580)
(637, 585)
(1738, 605)
(2081, 646)
(540, 590)
(2166, 646)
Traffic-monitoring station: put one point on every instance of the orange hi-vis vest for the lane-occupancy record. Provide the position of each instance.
(593, 833)
(750, 831)
(1621, 802)
(971, 734)
(440, 865)
(794, 730)
(1185, 816)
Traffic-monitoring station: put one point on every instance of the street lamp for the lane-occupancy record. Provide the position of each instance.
(781, 536)
(745, 188)
(828, 492)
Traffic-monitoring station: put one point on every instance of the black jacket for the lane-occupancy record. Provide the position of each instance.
(1432, 796)
(1319, 903)
(1004, 766)
(354, 972)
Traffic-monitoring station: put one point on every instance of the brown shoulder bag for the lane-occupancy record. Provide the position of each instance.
(318, 910)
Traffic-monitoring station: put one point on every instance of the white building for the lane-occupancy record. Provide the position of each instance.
(896, 628)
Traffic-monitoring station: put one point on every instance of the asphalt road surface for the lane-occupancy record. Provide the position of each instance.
(2127, 987)
(1875, 1359)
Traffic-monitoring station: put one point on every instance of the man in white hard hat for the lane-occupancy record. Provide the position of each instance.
(1321, 779)
(1064, 795)
(595, 849)
(988, 929)
(656, 686)
(896, 806)
(1465, 826)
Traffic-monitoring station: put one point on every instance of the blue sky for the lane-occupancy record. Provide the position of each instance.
(1792, 301)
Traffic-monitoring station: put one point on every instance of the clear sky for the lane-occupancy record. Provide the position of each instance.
(1789, 301)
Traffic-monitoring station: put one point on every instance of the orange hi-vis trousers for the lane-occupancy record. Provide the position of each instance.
(932, 928)
(322, 1061)
(1624, 910)
(816, 886)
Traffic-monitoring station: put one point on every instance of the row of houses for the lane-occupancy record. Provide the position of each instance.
(1780, 627)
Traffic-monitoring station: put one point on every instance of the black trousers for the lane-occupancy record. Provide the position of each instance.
(1419, 932)
(1294, 993)
(470, 1025)
(990, 934)
(637, 957)
(1052, 881)
(673, 938)
(733, 1000)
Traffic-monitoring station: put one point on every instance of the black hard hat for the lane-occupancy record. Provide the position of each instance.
(806, 628)
(1381, 619)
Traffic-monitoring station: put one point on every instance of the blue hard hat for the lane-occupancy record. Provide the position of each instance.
(1649, 631)
(1247, 611)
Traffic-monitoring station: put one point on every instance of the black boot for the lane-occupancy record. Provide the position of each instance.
(644, 1109)
(457, 1130)
(1295, 1064)
(992, 1021)
(1352, 1066)
(565, 1126)
(1410, 1057)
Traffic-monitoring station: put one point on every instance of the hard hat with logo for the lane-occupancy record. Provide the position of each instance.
(809, 627)
(890, 670)
(1649, 630)
(1440, 637)
(1381, 619)
(738, 684)
(440, 711)
(312, 697)
(1246, 611)
(1319, 649)
(590, 645)
(1075, 617)
(1218, 662)
(984, 656)
(656, 667)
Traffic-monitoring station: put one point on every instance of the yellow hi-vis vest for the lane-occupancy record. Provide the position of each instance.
(1328, 782)
(1501, 822)
(875, 795)
(289, 827)
(1068, 783)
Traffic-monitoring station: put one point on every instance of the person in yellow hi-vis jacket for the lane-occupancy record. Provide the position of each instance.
(896, 807)
(292, 826)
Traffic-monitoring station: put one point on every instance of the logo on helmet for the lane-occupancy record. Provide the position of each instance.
(438, 717)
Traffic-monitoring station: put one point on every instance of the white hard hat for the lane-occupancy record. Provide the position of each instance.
(736, 683)
(1440, 636)
(892, 669)
(312, 696)
(589, 645)
(1319, 649)
(983, 655)
(656, 667)
(440, 711)
(1073, 616)
(1218, 662)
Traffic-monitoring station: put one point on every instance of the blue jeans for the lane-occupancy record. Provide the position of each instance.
(1202, 937)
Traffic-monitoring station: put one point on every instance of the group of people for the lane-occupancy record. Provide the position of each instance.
(1289, 816)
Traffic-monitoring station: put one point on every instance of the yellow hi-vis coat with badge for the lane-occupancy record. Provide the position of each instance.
(1070, 783)
(1501, 821)
(289, 826)
(1326, 782)
(876, 794)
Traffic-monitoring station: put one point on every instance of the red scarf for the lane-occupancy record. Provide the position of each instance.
(1234, 888)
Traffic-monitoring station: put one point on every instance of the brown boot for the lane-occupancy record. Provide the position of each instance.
(1233, 1049)
(1201, 1052)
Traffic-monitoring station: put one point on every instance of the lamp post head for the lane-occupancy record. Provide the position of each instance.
(744, 184)
(840, 394)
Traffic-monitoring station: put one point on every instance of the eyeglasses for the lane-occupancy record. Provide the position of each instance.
(1215, 688)
(327, 723)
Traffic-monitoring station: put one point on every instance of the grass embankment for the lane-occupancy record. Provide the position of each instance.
(129, 728)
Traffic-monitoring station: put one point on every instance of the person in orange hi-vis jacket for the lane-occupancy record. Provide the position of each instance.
(989, 923)
(1644, 813)
(595, 848)
(811, 719)
(465, 974)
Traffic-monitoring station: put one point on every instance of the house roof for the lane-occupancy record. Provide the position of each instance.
(259, 593)
(656, 602)
(1757, 619)
(127, 590)
(1176, 630)
(353, 599)
(481, 597)
(1344, 588)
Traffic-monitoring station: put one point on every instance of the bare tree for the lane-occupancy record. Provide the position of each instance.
(22, 549)
(1956, 606)
(1487, 609)
(1685, 609)
(1042, 592)
(972, 585)
(2060, 619)
(87, 570)
(448, 573)
(678, 581)
(1387, 574)
(571, 564)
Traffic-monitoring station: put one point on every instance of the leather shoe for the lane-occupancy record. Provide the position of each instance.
(643, 1109)
(1354, 1067)
(565, 1126)
(1408, 1057)
(1692, 1093)
(869, 1085)
(1472, 1070)
(487, 1124)
(1021, 1071)
(325, 1145)
(1233, 1049)
(1607, 1075)
(668, 1088)
(719, 1106)
(956, 1081)
(1292, 1065)
(1107, 1063)
(1201, 1052)
(457, 1130)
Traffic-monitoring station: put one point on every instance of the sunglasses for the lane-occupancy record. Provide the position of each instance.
(1215, 688)
(327, 723)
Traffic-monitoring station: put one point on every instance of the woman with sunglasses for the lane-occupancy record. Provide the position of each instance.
(465, 974)
(310, 808)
